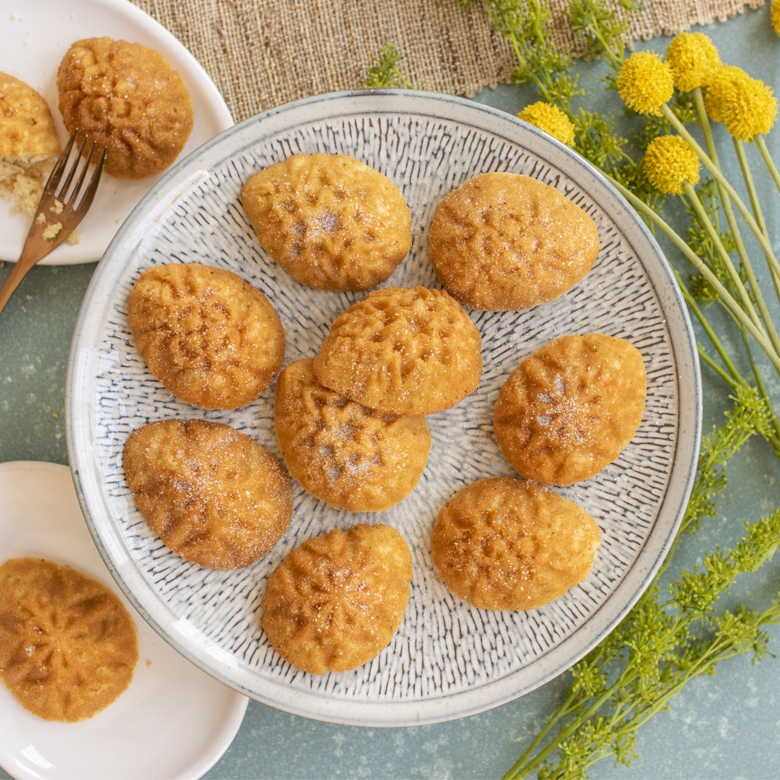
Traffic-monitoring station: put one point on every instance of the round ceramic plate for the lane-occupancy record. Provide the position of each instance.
(173, 721)
(35, 36)
(448, 659)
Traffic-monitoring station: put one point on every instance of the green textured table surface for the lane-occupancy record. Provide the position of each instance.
(719, 728)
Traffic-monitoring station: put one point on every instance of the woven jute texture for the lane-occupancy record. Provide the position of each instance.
(264, 53)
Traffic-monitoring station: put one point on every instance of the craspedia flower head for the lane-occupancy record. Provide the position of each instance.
(745, 105)
(551, 119)
(693, 59)
(669, 163)
(645, 82)
(776, 16)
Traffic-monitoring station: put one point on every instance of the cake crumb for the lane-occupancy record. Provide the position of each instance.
(51, 230)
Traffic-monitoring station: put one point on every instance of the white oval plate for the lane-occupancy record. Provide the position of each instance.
(35, 36)
(447, 659)
(173, 721)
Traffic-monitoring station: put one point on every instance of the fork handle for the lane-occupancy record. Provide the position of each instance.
(18, 272)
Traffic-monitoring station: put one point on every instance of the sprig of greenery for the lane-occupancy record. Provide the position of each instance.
(662, 645)
(600, 31)
(384, 72)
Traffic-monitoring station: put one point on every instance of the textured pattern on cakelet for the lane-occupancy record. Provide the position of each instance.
(211, 338)
(214, 495)
(343, 453)
(571, 407)
(330, 221)
(504, 543)
(402, 350)
(127, 98)
(337, 600)
(504, 242)
(68, 646)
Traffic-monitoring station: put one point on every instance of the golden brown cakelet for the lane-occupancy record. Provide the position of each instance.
(569, 408)
(337, 600)
(212, 494)
(68, 646)
(211, 338)
(125, 97)
(330, 221)
(343, 453)
(505, 242)
(504, 543)
(403, 351)
(29, 145)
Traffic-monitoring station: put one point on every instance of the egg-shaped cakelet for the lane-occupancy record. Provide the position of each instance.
(506, 242)
(341, 452)
(127, 98)
(213, 495)
(402, 350)
(569, 409)
(211, 338)
(335, 602)
(505, 543)
(68, 646)
(332, 222)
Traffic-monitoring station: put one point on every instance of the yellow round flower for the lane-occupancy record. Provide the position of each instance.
(669, 163)
(745, 105)
(551, 119)
(645, 82)
(776, 16)
(693, 59)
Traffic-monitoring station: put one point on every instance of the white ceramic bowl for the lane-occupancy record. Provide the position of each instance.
(448, 659)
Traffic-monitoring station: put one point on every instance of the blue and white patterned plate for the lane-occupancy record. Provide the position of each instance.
(448, 659)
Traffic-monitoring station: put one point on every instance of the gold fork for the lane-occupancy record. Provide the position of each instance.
(53, 211)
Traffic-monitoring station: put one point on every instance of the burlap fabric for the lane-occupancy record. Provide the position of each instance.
(263, 53)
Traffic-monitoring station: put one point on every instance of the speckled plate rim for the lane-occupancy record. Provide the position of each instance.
(193, 171)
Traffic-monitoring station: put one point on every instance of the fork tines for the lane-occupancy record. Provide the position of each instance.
(56, 175)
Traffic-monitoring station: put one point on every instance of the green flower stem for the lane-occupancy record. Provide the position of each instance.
(705, 358)
(755, 203)
(641, 207)
(732, 376)
(735, 277)
(561, 712)
(739, 147)
(721, 649)
(761, 144)
(521, 52)
(519, 771)
(614, 60)
(721, 179)
(716, 342)
(730, 217)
